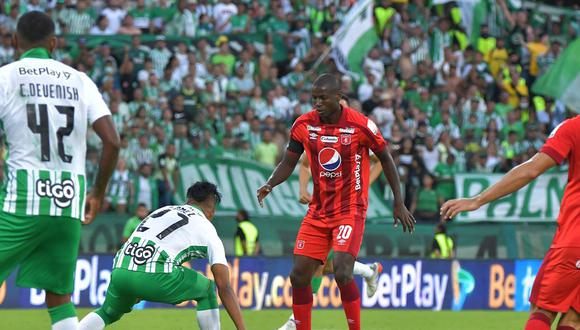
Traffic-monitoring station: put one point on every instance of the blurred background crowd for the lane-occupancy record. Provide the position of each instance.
(205, 78)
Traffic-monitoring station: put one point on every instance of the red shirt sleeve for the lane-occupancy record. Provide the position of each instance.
(372, 137)
(560, 142)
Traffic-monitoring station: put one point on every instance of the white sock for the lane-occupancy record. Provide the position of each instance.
(209, 319)
(362, 270)
(71, 323)
(291, 317)
(92, 321)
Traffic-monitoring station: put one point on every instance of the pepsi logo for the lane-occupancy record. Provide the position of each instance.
(329, 159)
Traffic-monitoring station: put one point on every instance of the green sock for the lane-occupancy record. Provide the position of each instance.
(62, 312)
(316, 283)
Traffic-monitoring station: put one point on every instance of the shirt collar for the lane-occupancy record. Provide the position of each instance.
(36, 53)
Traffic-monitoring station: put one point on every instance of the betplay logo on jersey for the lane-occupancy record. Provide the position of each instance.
(330, 160)
(63, 193)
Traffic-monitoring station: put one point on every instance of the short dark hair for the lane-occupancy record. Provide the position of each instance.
(35, 27)
(328, 81)
(244, 214)
(202, 190)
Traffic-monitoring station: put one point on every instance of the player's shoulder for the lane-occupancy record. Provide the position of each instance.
(308, 119)
(359, 120)
(571, 125)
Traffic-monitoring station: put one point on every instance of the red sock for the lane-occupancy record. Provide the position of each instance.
(565, 327)
(538, 321)
(351, 304)
(302, 307)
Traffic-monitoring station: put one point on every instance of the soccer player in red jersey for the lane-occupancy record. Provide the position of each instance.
(337, 140)
(557, 285)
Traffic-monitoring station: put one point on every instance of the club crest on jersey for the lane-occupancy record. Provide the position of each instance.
(140, 254)
(329, 159)
(62, 193)
(345, 139)
(329, 139)
(300, 244)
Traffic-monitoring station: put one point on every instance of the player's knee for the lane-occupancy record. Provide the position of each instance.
(299, 278)
(342, 275)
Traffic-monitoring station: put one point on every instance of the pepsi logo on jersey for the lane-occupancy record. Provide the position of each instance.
(330, 160)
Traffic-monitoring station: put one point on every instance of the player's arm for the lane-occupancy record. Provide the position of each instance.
(257, 248)
(221, 275)
(515, 179)
(282, 170)
(376, 169)
(400, 212)
(106, 131)
(240, 234)
(303, 179)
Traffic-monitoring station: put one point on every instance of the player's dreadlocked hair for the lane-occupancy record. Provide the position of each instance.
(202, 190)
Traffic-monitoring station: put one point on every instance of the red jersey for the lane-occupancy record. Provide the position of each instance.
(339, 162)
(563, 143)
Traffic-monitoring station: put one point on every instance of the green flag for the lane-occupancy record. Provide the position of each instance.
(562, 81)
(355, 38)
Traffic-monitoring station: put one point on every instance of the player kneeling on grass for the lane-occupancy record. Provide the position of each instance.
(149, 265)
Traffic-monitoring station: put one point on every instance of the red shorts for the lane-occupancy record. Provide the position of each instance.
(316, 241)
(557, 285)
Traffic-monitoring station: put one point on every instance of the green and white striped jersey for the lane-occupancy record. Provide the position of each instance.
(169, 237)
(45, 109)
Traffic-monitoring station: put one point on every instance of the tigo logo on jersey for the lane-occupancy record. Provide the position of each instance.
(63, 193)
(329, 139)
(140, 254)
(329, 159)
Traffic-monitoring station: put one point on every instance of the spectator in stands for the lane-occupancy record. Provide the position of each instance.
(144, 189)
(101, 27)
(119, 189)
(133, 222)
(128, 26)
(6, 50)
(79, 21)
(115, 13)
(266, 152)
(426, 200)
(167, 176)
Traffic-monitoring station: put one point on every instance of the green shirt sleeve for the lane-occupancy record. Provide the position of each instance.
(130, 226)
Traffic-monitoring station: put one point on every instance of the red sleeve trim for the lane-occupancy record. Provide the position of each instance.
(553, 153)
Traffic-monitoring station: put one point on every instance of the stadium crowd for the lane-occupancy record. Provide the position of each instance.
(446, 102)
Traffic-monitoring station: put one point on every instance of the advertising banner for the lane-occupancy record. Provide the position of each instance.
(263, 283)
(538, 201)
(239, 180)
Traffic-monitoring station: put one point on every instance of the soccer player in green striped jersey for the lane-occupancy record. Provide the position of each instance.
(149, 266)
(44, 110)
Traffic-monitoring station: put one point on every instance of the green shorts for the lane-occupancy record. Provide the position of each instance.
(183, 284)
(44, 248)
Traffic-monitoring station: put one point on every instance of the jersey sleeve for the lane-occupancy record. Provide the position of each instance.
(372, 137)
(96, 106)
(215, 250)
(298, 132)
(560, 142)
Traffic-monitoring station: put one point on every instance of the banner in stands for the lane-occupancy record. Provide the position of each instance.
(538, 201)
(263, 283)
(239, 180)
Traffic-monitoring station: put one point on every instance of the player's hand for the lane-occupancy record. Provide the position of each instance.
(92, 207)
(402, 215)
(455, 206)
(305, 197)
(263, 191)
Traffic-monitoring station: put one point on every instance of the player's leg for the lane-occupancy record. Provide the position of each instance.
(570, 320)
(311, 248)
(17, 239)
(119, 300)
(555, 288)
(51, 266)
(347, 239)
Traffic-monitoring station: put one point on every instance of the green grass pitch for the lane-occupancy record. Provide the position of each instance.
(271, 319)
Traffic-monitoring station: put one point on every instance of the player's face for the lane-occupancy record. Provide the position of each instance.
(325, 101)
